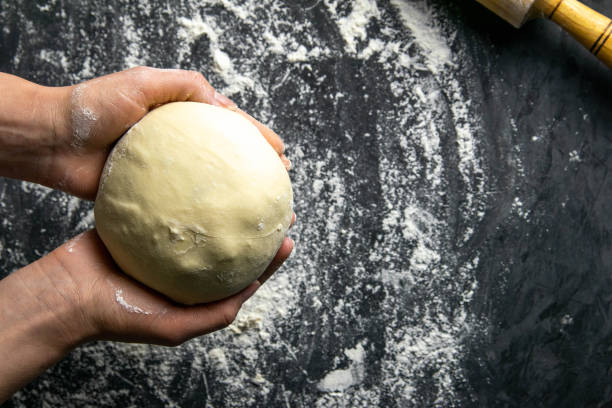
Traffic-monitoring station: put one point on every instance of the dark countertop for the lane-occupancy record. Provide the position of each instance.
(452, 193)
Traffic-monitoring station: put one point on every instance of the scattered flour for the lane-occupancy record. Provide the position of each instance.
(353, 26)
(86, 222)
(127, 306)
(196, 27)
(342, 379)
(574, 157)
(134, 56)
(55, 58)
(426, 290)
(421, 22)
(83, 117)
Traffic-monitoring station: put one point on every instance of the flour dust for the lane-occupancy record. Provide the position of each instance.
(373, 308)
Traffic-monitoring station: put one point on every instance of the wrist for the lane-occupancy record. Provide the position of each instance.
(43, 307)
(37, 328)
(32, 126)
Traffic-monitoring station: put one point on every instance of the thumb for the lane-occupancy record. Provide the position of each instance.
(160, 86)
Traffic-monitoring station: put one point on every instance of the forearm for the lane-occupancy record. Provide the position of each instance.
(36, 326)
(28, 128)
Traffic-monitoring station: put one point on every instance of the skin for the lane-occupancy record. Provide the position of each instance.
(60, 137)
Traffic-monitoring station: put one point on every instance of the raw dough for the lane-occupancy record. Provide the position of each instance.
(193, 202)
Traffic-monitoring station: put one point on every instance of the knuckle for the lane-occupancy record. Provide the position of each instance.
(197, 77)
(228, 316)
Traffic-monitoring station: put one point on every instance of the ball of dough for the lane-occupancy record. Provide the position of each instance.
(193, 202)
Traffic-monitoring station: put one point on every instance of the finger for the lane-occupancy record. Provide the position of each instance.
(293, 219)
(180, 85)
(281, 256)
(286, 162)
(272, 138)
(160, 86)
(203, 319)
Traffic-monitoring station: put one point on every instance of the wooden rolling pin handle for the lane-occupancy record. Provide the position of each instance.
(591, 29)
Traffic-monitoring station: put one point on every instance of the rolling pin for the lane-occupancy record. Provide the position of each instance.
(590, 28)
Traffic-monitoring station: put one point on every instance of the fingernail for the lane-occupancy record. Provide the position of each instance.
(292, 248)
(286, 162)
(223, 100)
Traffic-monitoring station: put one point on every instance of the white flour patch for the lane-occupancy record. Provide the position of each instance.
(196, 27)
(54, 57)
(353, 26)
(192, 29)
(86, 222)
(133, 39)
(423, 25)
(127, 306)
(574, 157)
(72, 205)
(83, 117)
(40, 192)
(342, 379)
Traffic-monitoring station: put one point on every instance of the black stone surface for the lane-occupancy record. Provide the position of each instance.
(539, 331)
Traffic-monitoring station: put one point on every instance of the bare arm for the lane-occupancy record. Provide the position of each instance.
(27, 134)
(60, 137)
(76, 294)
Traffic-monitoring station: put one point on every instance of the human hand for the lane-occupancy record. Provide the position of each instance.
(60, 137)
(76, 294)
(86, 119)
(112, 306)
(89, 298)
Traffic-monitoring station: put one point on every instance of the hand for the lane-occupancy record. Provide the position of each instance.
(109, 305)
(61, 137)
(83, 121)
(76, 294)
(100, 111)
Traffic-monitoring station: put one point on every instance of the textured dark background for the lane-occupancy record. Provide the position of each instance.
(560, 263)
(543, 297)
